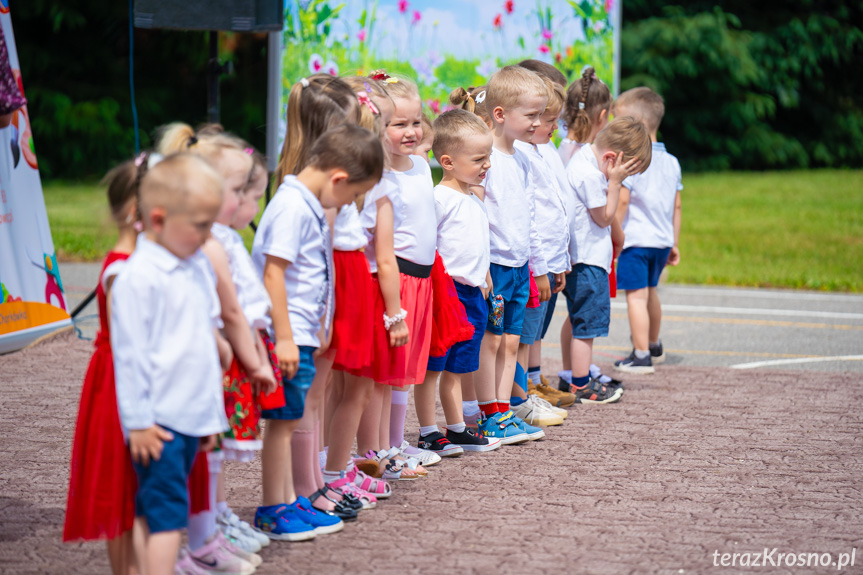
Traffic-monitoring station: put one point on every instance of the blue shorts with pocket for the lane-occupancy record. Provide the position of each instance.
(163, 485)
(549, 313)
(295, 389)
(638, 268)
(534, 319)
(463, 357)
(588, 301)
(512, 288)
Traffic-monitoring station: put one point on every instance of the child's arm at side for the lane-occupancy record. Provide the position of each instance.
(388, 271)
(287, 351)
(674, 256)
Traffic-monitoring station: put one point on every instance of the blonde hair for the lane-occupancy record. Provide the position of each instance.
(556, 97)
(369, 118)
(315, 104)
(123, 182)
(586, 98)
(397, 86)
(428, 129)
(452, 127)
(169, 183)
(645, 103)
(510, 85)
(545, 70)
(629, 136)
(466, 100)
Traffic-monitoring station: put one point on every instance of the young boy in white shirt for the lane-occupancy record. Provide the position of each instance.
(515, 99)
(650, 214)
(164, 312)
(595, 175)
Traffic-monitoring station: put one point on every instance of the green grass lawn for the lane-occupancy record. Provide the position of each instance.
(801, 229)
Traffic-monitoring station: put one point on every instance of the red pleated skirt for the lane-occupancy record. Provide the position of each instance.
(450, 323)
(354, 320)
(102, 481)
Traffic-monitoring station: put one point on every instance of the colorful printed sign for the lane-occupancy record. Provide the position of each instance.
(31, 291)
(444, 44)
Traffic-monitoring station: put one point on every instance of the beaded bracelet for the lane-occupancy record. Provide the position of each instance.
(391, 321)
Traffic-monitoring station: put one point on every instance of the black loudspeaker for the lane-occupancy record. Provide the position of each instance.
(236, 15)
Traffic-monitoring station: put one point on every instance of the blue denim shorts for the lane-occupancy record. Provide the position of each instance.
(534, 320)
(588, 301)
(463, 357)
(639, 268)
(512, 287)
(163, 490)
(295, 389)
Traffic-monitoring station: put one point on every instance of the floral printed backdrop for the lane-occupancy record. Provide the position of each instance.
(444, 44)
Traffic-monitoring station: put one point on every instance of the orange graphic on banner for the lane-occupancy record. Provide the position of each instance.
(18, 315)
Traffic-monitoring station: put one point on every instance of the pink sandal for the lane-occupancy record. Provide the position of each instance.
(344, 485)
(377, 487)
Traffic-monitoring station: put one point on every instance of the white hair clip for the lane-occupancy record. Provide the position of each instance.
(480, 98)
(581, 105)
(154, 159)
(305, 82)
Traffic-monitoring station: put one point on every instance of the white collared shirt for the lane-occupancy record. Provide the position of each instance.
(414, 226)
(550, 211)
(510, 205)
(348, 233)
(166, 364)
(591, 190)
(294, 228)
(253, 298)
(649, 221)
(462, 235)
(551, 155)
(567, 150)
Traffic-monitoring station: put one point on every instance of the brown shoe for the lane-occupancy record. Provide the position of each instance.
(551, 395)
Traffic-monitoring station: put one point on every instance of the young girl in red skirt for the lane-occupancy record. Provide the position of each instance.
(102, 484)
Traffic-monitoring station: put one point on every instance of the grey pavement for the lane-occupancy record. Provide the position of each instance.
(702, 326)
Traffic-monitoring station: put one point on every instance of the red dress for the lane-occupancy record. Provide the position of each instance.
(450, 323)
(102, 482)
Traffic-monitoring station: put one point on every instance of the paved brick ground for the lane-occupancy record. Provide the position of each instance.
(693, 460)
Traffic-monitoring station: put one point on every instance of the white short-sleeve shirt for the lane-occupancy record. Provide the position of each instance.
(412, 195)
(166, 365)
(462, 235)
(567, 150)
(294, 228)
(253, 297)
(348, 233)
(591, 191)
(550, 153)
(550, 213)
(649, 221)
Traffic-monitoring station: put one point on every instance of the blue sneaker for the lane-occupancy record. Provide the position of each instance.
(533, 433)
(278, 522)
(323, 521)
(501, 426)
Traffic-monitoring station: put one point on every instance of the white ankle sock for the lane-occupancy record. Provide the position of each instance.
(426, 429)
(457, 428)
(222, 506)
(535, 376)
(642, 353)
(331, 475)
(470, 407)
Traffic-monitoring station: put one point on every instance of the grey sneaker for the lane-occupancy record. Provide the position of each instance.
(632, 364)
(657, 354)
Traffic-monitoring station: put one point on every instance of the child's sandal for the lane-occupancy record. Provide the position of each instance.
(341, 509)
(377, 487)
(396, 468)
(370, 464)
(344, 487)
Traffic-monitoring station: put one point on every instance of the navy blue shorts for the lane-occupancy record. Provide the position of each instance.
(588, 300)
(639, 268)
(463, 357)
(533, 327)
(512, 286)
(295, 389)
(549, 313)
(163, 485)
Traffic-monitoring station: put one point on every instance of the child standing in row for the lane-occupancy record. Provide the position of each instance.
(650, 215)
(595, 175)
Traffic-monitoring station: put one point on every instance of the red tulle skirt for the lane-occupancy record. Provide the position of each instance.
(354, 320)
(102, 481)
(450, 323)
(405, 365)
(199, 485)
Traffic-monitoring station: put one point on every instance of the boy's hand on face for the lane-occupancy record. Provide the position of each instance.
(288, 355)
(544, 287)
(674, 256)
(620, 171)
(146, 445)
(559, 283)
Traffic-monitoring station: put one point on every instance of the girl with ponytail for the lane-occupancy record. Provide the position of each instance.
(588, 101)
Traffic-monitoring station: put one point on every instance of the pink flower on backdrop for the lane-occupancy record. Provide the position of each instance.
(547, 34)
(509, 6)
(498, 21)
(544, 48)
(599, 26)
(558, 58)
(403, 6)
(331, 68)
(316, 62)
(416, 17)
(434, 105)
(609, 6)
(361, 35)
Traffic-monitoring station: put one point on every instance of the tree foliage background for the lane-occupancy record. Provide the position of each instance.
(747, 85)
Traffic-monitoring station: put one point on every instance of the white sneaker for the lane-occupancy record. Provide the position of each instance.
(230, 518)
(534, 414)
(240, 539)
(185, 565)
(252, 558)
(214, 557)
(545, 404)
(425, 457)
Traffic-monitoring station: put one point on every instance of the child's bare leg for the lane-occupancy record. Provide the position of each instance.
(468, 389)
(121, 554)
(162, 550)
(521, 358)
(654, 311)
(276, 473)
(639, 319)
(356, 397)
(369, 430)
(582, 355)
(386, 411)
(485, 378)
(140, 531)
(565, 344)
(534, 355)
(450, 398)
(425, 398)
(506, 360)
(304, 443)
(335, 396)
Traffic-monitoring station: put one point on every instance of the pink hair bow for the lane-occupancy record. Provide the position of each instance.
(364, 99)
